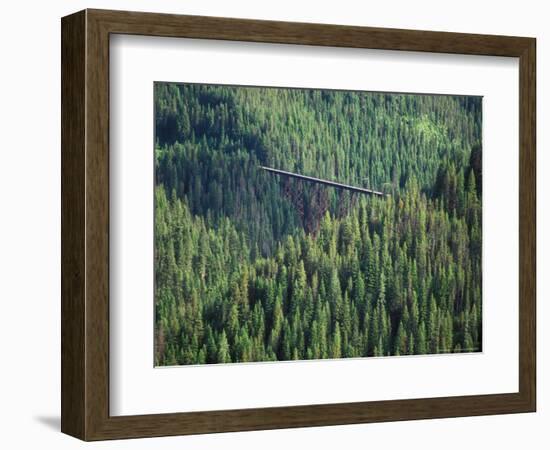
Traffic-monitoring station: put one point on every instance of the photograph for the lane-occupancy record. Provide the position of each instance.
(306, 224)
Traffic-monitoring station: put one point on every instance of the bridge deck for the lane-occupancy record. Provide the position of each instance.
(325, 182)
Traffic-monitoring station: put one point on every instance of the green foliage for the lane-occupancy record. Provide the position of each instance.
(238, 277)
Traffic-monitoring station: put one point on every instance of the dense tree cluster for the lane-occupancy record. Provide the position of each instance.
(237, 275)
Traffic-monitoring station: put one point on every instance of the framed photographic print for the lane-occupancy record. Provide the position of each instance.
(271, 224)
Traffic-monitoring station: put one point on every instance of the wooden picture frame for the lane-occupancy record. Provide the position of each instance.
(85, 224)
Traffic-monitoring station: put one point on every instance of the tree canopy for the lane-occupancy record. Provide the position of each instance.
(241, 275)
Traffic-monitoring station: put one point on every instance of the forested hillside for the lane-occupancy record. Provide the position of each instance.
(241, 274)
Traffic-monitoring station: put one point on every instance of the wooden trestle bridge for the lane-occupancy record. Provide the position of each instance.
(312, 213)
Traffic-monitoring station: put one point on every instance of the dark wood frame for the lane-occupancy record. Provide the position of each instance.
(85, 224)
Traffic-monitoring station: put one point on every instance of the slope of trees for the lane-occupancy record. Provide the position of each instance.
(238, 275)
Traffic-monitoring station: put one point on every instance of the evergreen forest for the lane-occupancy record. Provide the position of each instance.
(255, 266)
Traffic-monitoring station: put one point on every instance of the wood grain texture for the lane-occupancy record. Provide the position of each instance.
(527, 224)
(152, 24)
(73, 108)
(85, 224)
